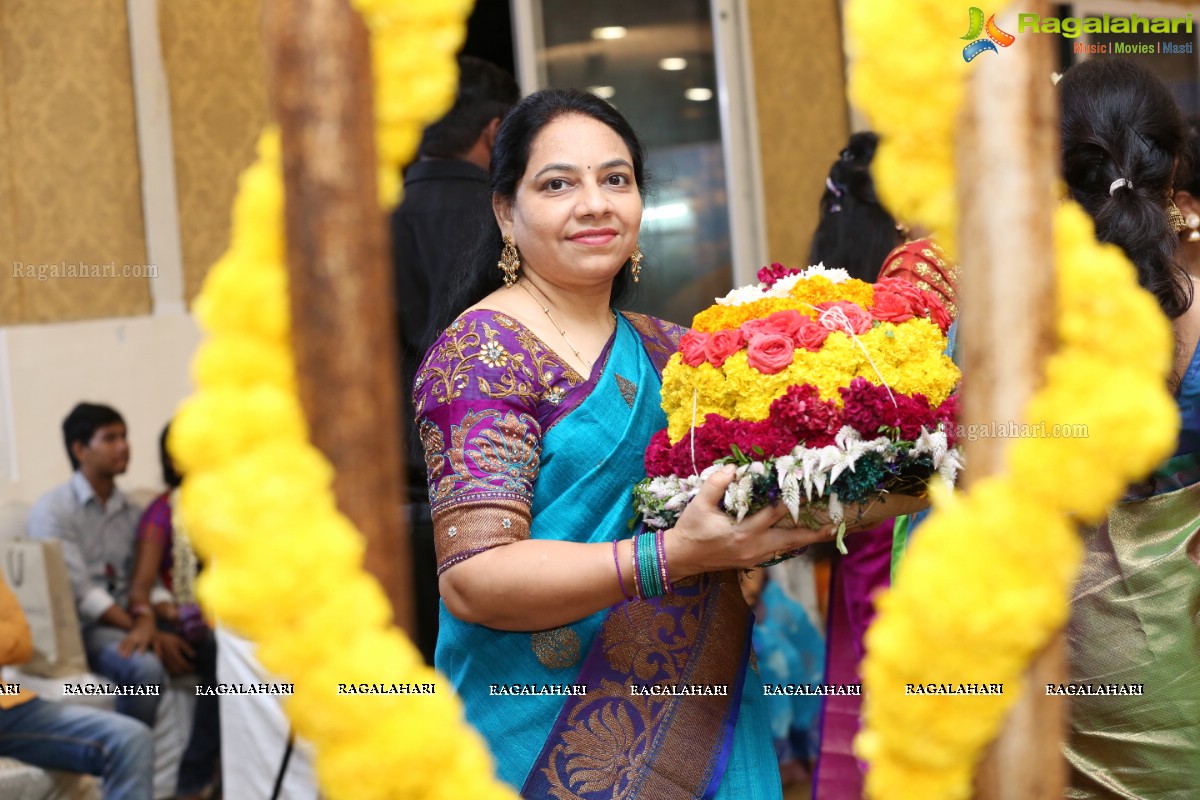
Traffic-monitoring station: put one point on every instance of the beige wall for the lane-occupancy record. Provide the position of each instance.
(70, 186)
(71, 190)
(139, 365)
(213, 57)
(802, 113)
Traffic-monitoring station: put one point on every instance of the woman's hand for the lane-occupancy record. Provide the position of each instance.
(861, 516)
(706, 540)
(864, 516)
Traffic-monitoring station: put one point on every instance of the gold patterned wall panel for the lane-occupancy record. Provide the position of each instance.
(73, 201)
(216, 74)
(800, 90)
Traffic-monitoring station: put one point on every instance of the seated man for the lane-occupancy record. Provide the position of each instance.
(64, 737)
(96, 525)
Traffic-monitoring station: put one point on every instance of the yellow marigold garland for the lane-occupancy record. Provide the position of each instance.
(285, 567)
(985, 583)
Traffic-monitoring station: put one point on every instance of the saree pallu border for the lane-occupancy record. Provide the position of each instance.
(613, 743)
(1136, 620)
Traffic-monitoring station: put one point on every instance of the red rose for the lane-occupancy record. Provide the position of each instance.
(721, 345)
(906, 290)
(770, 353)
(938, 312)
(691, 348)
(838, 315)
(811, 336)
(891, 308)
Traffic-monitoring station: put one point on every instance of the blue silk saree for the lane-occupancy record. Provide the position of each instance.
(518, 445)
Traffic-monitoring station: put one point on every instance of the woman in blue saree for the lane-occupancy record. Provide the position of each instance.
(534, 408)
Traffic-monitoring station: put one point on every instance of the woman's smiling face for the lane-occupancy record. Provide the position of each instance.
(576, 212)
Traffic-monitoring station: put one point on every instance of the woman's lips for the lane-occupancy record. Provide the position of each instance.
(593, 238)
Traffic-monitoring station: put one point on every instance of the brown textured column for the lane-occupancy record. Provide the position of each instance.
(803, 117)
(1008, 157)
(341, 294)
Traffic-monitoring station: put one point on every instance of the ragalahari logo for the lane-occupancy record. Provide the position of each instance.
(995, 36)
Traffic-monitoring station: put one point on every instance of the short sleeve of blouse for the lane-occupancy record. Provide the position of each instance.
(475, 398)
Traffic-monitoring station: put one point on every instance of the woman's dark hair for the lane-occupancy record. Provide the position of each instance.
(170, 477)
(1188, 179)
(1120, 123)
(510, 157)
(855, 232)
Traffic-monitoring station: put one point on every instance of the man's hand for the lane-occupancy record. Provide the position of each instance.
(139, 638)
(175, 653)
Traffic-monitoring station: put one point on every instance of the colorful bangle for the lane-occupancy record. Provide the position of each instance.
(140, 609)
(648, 565)
(660, 539)
(637, 583)
(620, 579)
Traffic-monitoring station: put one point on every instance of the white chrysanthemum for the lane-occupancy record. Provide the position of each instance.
(783, 286)
(742, 296)
(832, 275)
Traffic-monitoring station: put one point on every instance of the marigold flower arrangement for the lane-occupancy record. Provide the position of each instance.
(823, 389)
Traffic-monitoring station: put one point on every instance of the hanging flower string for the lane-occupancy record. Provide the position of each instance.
(986, 582)
(284, 566)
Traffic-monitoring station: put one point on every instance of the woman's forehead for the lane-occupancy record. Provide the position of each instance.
(579, 140)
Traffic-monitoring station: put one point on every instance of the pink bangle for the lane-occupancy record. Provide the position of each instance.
(662, 560)
(620, 580)
(140, 609)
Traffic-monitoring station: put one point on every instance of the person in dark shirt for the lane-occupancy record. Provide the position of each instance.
(446, 205)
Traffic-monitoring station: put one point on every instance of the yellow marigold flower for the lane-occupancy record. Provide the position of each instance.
(818, 289)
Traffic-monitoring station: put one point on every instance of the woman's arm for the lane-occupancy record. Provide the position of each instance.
(145, 573)
(539, 584)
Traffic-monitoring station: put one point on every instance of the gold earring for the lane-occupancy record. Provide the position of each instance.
(635, 258)
(1193, 222)
(1175, 216)
(510, 261)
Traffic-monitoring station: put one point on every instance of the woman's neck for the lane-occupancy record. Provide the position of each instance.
(579, 306)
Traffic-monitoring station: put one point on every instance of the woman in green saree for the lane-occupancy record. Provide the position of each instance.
(1135, 618)
(592, 669)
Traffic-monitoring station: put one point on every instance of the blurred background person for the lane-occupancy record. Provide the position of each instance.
(445, 209)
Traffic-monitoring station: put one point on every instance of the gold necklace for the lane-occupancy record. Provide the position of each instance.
(557, 327)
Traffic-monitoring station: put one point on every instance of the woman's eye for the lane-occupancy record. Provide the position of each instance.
(618, 180)
(556, 184)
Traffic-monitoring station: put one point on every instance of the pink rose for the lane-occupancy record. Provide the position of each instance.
(752, 327)
(770, 352)
(721, 345)
(838, 315)
(811, 336)
(691, 348)
(891, 308)
(784, 323)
